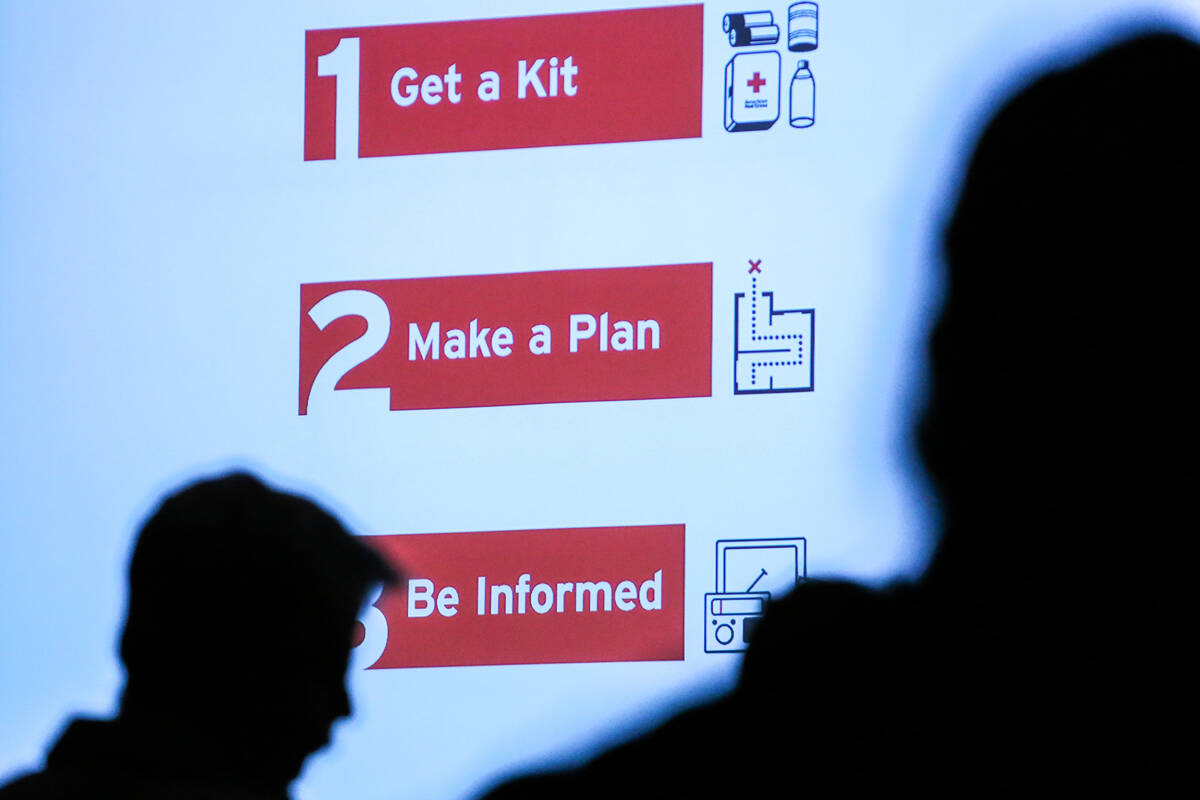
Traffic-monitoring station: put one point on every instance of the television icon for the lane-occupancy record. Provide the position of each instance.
(748, 573)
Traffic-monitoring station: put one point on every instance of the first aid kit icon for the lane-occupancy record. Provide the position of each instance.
(752, 91)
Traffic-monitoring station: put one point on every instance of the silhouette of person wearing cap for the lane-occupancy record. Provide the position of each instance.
(243, 602)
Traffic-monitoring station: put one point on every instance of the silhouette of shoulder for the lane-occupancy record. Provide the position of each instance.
(102, 758)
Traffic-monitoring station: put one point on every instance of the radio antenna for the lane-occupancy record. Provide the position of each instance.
(756, 580)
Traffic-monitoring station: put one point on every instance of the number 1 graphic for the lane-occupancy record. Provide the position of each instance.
(342, 63)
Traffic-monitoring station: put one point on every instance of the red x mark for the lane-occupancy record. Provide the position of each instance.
(757, 82)
(754, 266)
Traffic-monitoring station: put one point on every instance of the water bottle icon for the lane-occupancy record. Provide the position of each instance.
(804, 97)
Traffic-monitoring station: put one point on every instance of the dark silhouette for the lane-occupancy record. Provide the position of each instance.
(242, 606)
(1052, 399)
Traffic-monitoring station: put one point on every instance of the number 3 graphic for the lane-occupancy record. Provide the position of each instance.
(375, 630)
(352, 302)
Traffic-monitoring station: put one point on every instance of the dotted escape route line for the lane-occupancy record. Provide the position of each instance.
(755, 337)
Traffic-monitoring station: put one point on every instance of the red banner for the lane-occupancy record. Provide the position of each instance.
(533, 597)
(628, 333)
(610, 76)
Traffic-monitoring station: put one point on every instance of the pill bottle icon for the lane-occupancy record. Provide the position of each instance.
(803, 97)
(802, 27)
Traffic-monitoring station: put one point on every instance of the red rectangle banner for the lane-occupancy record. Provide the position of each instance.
(608, 76)
(627, 333)
(532, 597)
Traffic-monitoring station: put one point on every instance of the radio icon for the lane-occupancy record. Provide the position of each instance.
(731, 618)
(749, 572)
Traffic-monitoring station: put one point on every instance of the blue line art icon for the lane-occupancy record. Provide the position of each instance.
(802, 103)
(747, 28)
(772, 348)
(752, 91)
(802, 27)
(753, 80)
(729, 619)
(749, 572)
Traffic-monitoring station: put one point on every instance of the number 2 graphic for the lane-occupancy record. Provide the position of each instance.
(351, 302)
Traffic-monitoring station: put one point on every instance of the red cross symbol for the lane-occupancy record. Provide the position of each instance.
(754, 266)
(757, 82)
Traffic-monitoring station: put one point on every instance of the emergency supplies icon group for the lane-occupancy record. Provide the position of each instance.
(753, 83)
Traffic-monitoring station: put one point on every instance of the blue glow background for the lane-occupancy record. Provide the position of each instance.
(156, 219)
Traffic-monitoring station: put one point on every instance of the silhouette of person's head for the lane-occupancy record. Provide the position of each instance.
(1054, 354)
(242, 607)
(1053, 394)
(1054, 359)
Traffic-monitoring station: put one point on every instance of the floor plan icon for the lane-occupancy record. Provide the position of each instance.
(772, 348)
